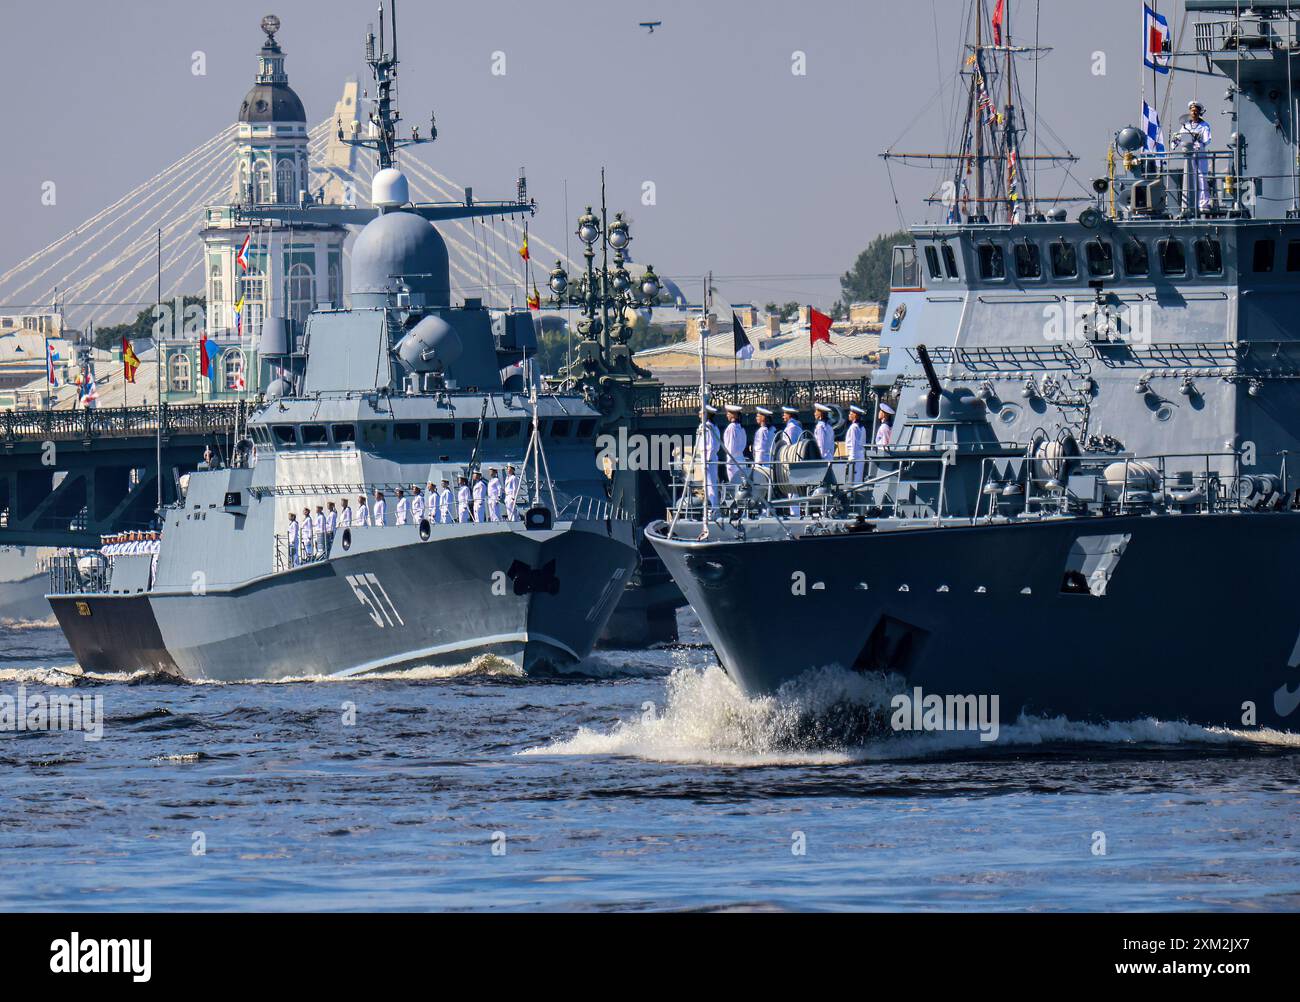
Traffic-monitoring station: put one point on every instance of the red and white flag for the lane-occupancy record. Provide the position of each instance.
(241, 255)
(1156, 46)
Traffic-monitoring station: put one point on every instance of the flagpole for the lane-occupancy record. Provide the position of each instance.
(158, 367)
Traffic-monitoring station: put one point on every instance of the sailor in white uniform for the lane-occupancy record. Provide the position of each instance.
(855, 446)
(763, 437)
(306, 546)
(345, 516)
(734, 440)
(494, 495)
(379, 513)
(885, 430)
(706, 451)
(445, 503)
(318, 530)
(417, 504)
(823, 433)
(401, 509)
(362, 516)
(293, 540)
(463, 500)
(793, 429)
(331, 520)
(478, 487)
(512, 492)
(431, 503)
(1195, 135)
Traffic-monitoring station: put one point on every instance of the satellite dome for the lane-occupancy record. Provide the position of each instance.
(389, 189)
(396, 251)
(279, 388)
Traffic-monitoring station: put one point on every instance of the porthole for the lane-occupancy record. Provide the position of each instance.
(346, 541)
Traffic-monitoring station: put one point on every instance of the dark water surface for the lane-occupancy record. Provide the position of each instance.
(648, 783)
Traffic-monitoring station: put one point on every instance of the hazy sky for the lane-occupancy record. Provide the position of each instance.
(759, 172)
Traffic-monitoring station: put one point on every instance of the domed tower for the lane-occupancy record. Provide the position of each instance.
(264, 274)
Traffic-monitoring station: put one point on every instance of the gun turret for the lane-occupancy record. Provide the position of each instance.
(936, 391)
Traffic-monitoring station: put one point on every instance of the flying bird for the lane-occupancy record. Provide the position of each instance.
(652, 25)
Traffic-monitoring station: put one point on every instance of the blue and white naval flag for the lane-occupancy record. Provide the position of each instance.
(1155, 138)
(1156, 47)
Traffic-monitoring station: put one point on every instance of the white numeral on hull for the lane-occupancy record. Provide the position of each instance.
(371, 594)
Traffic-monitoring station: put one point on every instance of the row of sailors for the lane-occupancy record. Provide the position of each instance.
(130, 543)
(735, 440)
(476, 500)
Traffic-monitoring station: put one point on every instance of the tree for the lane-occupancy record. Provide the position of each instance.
(784, 313)
(868, 281)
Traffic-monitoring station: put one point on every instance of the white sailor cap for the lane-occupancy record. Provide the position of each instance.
(710, 409)
(763, 410)
(855, 409)
(789, 410)
(887, 409)
(735, 409)
(821, 407)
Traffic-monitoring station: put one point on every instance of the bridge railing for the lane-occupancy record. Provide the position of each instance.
(684, 400)
(109, 422)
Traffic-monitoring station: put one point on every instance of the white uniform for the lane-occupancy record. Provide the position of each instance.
(735, 439)
(431, 505)
(293, 544)
(363, 514)
(444, 503)
(512, 489)
(305, 541)
(417, 507)
(763, 439)
(793, 431)
(318, 530)
(463, 502)
(331, 522)
(855, 444)
(380, 512)
(345, 519)
(706, 449)
(401, 510)
(1196, 136)
(480, 500)
(825, 436)
(494, 499)
(884, 433)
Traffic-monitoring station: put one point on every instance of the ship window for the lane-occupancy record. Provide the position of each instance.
(903, 272)
(561, 427)
(1029, 261)
(374, 433)
(1173, 259)
(406, 431)
(1293, 255)
(469, 430)
(949, 261)
(1263, 255)
(992, 265)
(1065, 260)
(343, 433)
(586, 428)
(285, 434)
(313, 434)
(509, 429)
(932, 262)
(1137, 262)
(1209, 256)
(442, 431)
(1101, 258)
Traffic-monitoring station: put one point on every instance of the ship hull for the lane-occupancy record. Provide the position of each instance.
(421, 603)
(1198, 620)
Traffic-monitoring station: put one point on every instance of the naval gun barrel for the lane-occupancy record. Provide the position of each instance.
(932, 399)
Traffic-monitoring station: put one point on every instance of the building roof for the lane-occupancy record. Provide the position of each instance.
(849, 347)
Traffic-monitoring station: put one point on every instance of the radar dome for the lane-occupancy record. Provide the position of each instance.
(389, 189)
(396, 251)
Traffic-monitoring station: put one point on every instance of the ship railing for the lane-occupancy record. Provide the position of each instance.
(77, 572)
(1246, 35)
(289, 554)
(1170, 183)
(584, 507)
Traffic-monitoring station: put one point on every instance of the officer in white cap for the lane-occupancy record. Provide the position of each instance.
(445, 506)
(763, 437)
(478, 488)
(362, 516)
(463, 500)
(431, 503)
(401, 507)
(885, 430)
(855, 445)
(823, 433)
(378, 510)
(512, 492)
(417, 504)
(706, 451)
(1194, 135)
(793, 429)
(734, 440)
(494, 495)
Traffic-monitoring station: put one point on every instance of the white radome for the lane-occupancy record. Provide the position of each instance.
(389, 189)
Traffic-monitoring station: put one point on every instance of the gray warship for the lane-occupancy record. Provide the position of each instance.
(399, 390)
(1089, 503)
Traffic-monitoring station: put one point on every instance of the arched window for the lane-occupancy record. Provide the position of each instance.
(232, 369)
(252, 287)
(262, 179)
(178, 367)
(284, 183)
(300, 293)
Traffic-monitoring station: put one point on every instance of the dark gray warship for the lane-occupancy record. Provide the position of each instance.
(400, 391)
(1089, 503)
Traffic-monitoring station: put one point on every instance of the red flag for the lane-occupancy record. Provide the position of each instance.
(819, 327)
(203, 355)
(997, 23)
(130, 361)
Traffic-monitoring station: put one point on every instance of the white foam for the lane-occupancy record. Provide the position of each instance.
(833, 716)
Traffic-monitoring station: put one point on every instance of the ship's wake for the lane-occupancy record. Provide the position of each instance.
(26, 625)
(832, 717)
